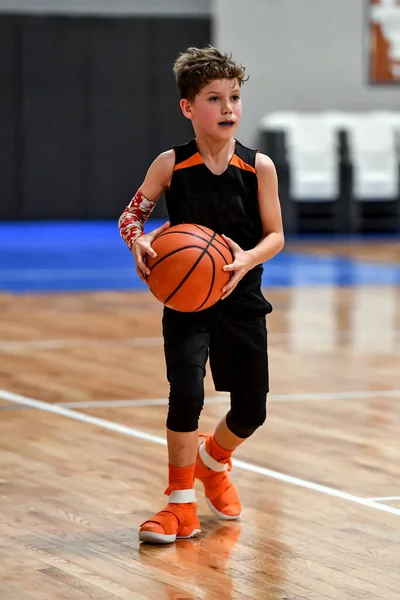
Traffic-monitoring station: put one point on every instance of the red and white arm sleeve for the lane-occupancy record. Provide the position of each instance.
(135, 215)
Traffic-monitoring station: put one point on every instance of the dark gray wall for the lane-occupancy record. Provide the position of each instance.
(86, 104)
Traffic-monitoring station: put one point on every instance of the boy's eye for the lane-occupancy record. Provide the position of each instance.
(213, 98)
(235, 97)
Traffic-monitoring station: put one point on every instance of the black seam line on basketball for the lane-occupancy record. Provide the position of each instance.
(192, 234)
(206, 233)
(219, 252)
(212, 282)
(186, 233)
(174, 252)
(201, 229)
(190, 270)
(198, 237)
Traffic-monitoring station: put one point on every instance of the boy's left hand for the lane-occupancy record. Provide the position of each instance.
(242, 263)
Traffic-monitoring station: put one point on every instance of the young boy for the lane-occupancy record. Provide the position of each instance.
(214, 181)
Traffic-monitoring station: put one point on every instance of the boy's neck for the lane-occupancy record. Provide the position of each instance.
(214, 150)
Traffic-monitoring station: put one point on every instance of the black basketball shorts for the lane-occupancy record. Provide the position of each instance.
(234, 341)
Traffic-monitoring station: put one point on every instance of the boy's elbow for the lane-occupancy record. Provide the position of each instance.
(123, 217)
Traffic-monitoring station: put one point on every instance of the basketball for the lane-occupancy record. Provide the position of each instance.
(187, 274)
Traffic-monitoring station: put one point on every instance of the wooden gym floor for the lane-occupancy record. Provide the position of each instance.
(83, 457)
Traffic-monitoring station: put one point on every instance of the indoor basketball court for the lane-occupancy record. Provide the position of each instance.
(83, 403)
(88, 100)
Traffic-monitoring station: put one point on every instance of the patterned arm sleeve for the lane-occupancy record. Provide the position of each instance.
(135, 215)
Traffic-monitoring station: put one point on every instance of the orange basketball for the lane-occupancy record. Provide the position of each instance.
(187, 274)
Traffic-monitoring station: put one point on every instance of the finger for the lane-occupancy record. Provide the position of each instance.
(142, 266)
(231, 267)
(233, 245)
(144, 249)
(228, 293)
(229, 287)
(234, 280)
(151, 252)
(139, 255)
(165, 226)
(142, 277)
(160, 229)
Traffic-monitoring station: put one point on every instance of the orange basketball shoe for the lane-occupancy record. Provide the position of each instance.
(221, 495)
(178, 520)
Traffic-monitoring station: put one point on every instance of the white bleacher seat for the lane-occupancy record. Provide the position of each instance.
(312, 155)
(391, 117)
(373, 153)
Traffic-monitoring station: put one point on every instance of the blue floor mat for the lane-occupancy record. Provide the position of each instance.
(85, 256)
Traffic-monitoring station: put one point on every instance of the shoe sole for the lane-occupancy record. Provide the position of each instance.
(221, 515)
(159, 538)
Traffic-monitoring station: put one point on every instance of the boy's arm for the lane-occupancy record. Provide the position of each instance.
(270, 211)
(135, 215)
(271, 218)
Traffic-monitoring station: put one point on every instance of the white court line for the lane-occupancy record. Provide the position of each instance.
(133, 403)
(10, 345)
(54, 344)
(386, 498)
(7, 345)
(135, 433)
(223, 399)
(312, 397)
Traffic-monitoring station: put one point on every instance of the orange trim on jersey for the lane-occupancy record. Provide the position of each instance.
(190, 162)
(238, 162)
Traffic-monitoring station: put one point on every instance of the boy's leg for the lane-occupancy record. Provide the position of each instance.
(239, 362)
(214, 454)
(186, 349)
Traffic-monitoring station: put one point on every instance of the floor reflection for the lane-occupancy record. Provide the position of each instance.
(196, 568)
(362, 320)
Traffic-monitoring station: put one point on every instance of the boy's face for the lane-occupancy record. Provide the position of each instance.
(216, 110)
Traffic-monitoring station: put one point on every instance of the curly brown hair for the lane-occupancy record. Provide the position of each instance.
(196, 67)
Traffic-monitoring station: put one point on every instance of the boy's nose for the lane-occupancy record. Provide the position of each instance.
(226, 109)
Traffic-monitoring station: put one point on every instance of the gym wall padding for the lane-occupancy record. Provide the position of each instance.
(86, 104)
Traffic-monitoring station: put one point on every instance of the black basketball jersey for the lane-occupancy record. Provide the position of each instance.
(225, 203)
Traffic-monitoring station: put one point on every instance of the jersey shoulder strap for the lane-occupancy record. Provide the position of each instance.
(186, 155)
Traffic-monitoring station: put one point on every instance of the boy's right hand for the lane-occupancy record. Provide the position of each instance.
(142, 246)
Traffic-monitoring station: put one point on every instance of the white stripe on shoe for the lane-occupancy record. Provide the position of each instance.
(182, 496)
(209, 461)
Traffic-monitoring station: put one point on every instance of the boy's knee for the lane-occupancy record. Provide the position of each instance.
(186, 399)
(248, 412)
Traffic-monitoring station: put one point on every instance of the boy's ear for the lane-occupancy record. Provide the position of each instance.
(186, 108)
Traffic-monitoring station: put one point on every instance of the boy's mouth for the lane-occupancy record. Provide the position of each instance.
(226, 123)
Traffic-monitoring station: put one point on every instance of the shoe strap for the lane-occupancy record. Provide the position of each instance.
(180, 496)
(210, 462)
